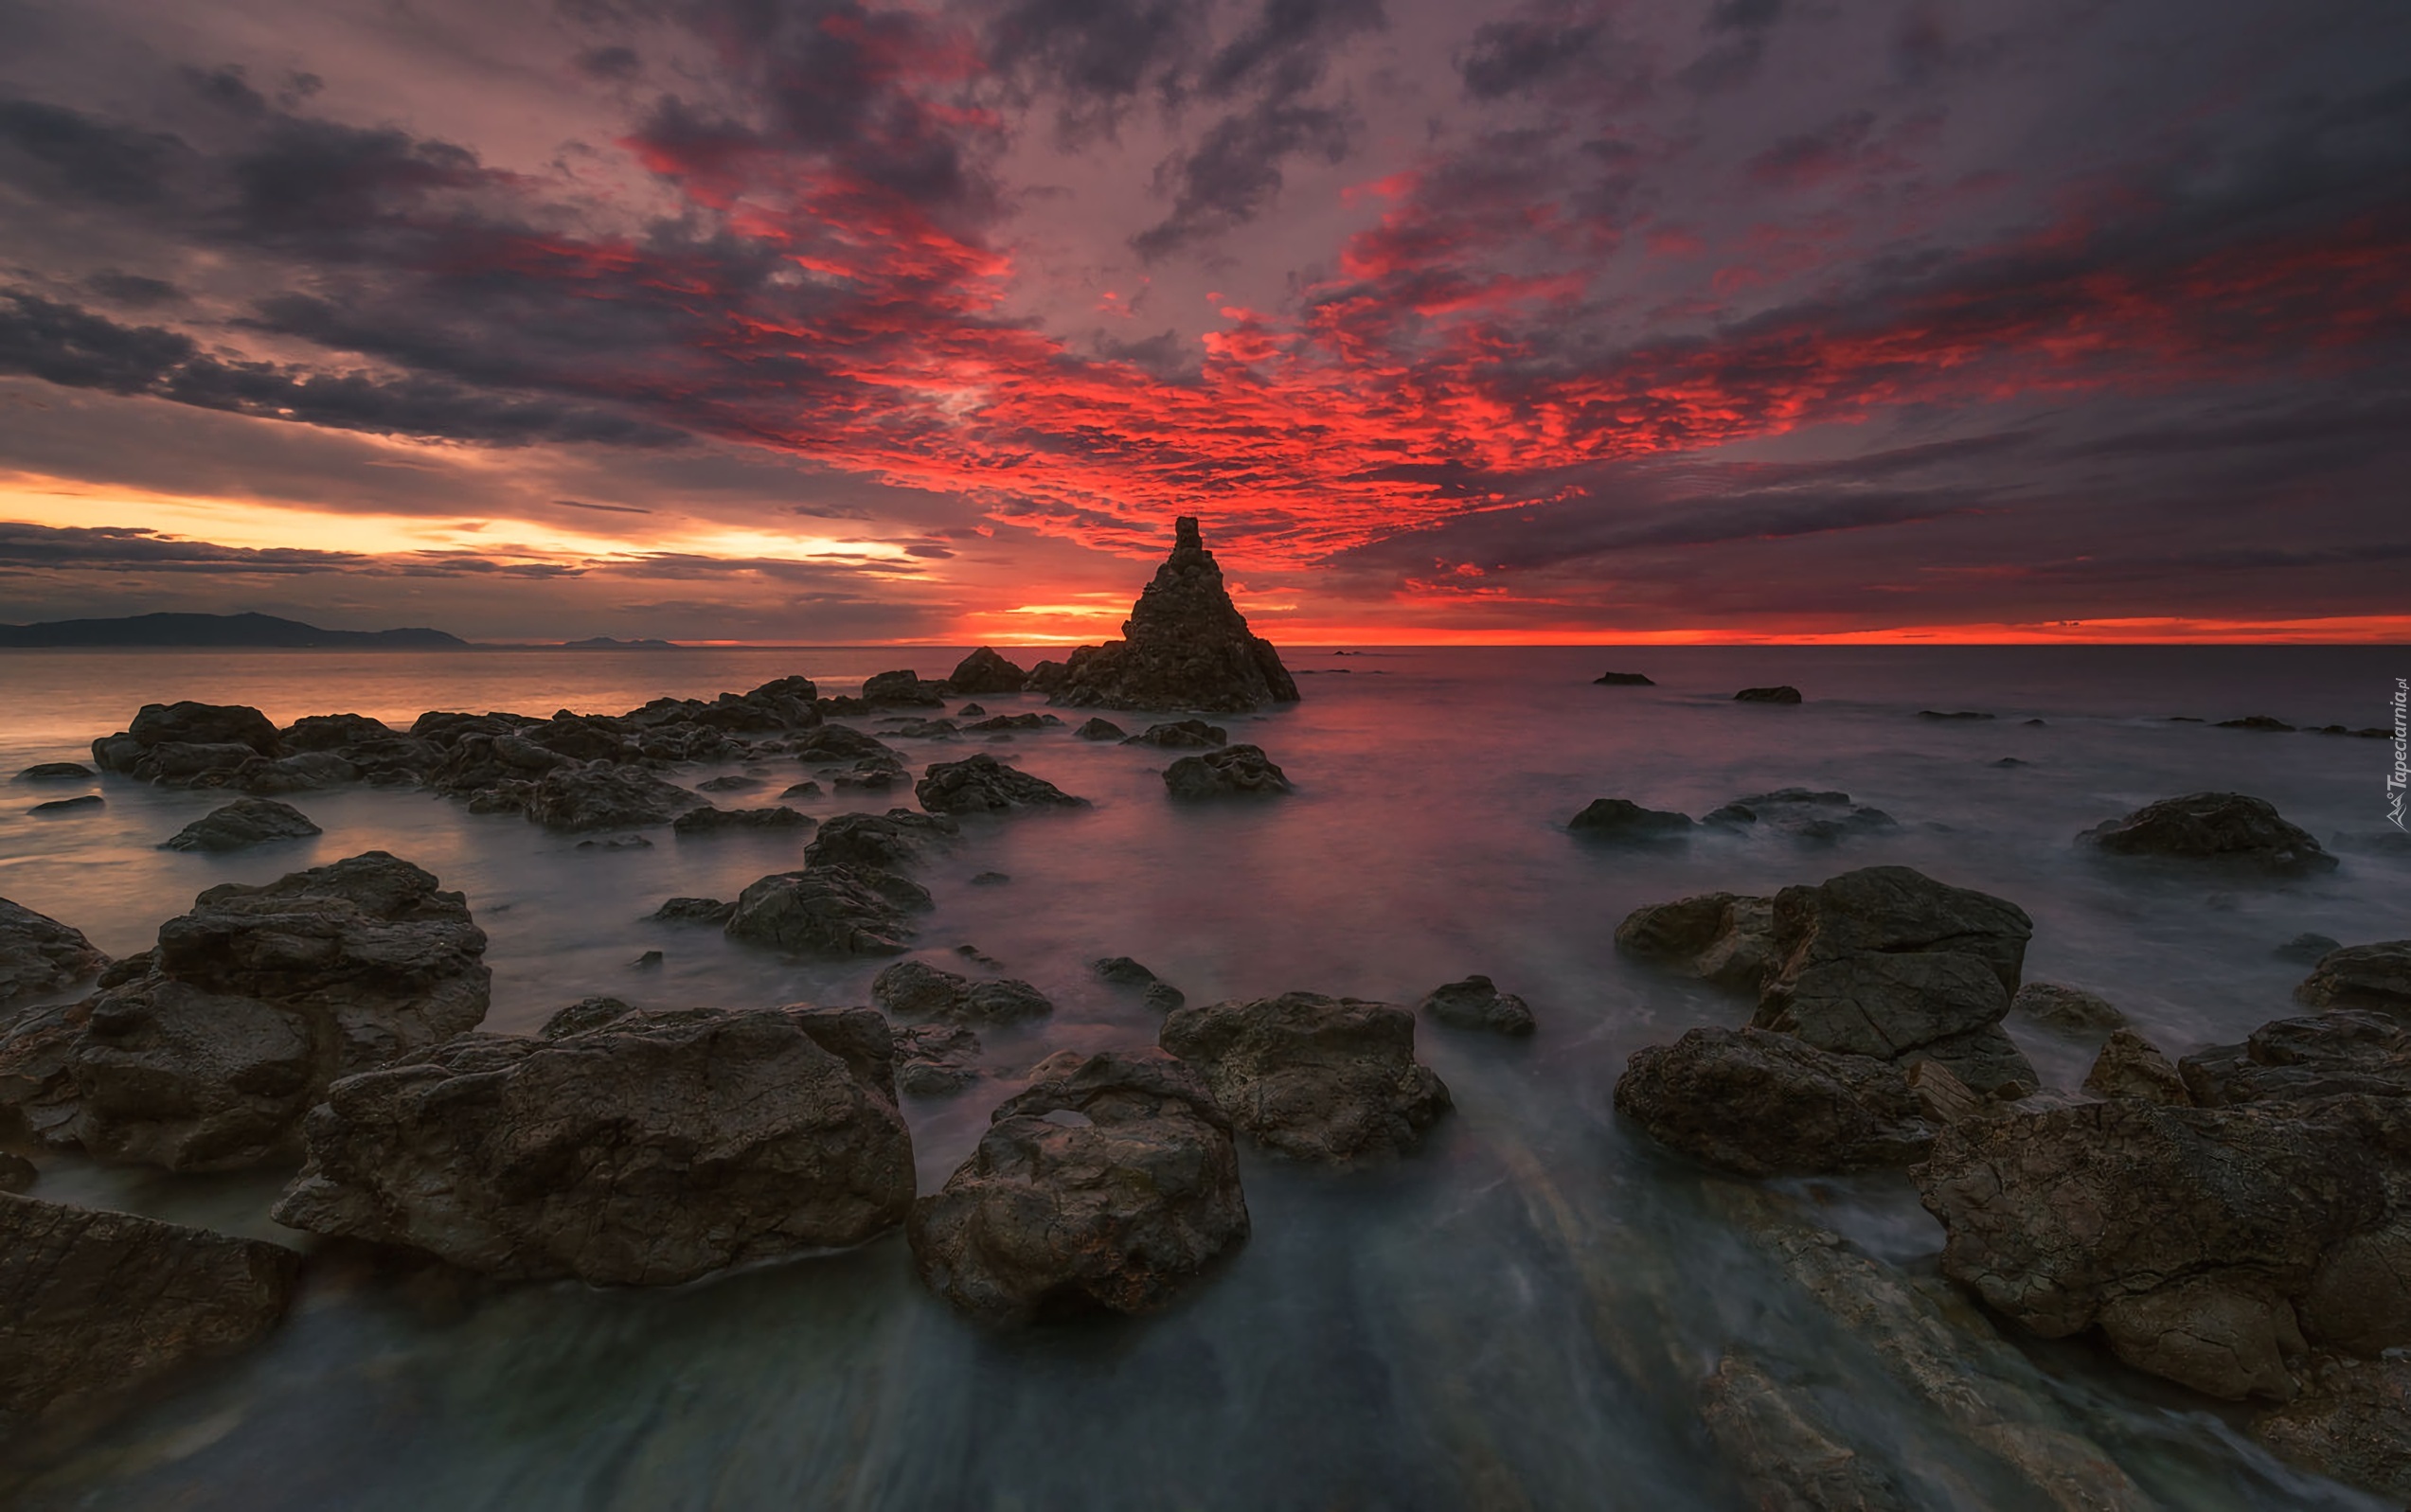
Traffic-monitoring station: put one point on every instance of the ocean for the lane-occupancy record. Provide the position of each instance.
(1519, 1316)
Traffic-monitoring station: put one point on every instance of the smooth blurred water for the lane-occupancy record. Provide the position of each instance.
(1518, 1317)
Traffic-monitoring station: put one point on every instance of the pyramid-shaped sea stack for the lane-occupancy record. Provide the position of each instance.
(1185, 646)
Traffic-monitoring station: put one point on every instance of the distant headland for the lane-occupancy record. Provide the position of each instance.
(267, 633)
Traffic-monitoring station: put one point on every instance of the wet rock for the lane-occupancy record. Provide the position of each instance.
(729, 784)
(971, 711)
(709, 821)
(2352, 1421)
(1727, 939)
(802, 789)
(648, 1150)
(2011, 761)
(1954, 714)
(1780, 1450)
(2071, 1010)
(936, 1060)
(1182, 735)
(1316, 1078)
(895, 839)
(2257, 721)
(647, 959)
(604, 796)
(185, 725)
(40, 956)
(1884, 961)
(55, 772)
(1047, 677)
(1477, 1004)
(838, 744)
(1623, 680)
(1014, 721)
(262, 996)
(2334, 1053)
(242, 824)
(333, 732)
(1621, 819)
(2131, 1066)
(830, 910)
(2307, 948)
(986, 671)
(915, 989)
(693, 910)
(1233, 772)
(992, 879)
(1782, 694)
(1098, 730)
(1767, 1104)
(1185, 646)
(68, 807)
(2362, 976)
(583, 1015)
(981, 784)
(100, 1303)
(902, 690)
(926, 729)
(1110, 1187)
(17, 1174)
(1802, 814)
(1123, 971)
(1163, 996)
(2231, 829)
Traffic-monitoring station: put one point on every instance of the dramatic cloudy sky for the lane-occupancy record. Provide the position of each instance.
(1543, 319)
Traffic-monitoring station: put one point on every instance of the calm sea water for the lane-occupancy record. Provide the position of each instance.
(1516, 1318)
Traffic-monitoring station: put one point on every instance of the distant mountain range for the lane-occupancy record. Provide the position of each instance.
(604, 643)
(219, 630)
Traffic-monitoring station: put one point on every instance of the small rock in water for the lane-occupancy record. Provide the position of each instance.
(693, 910)
(61, 807)
(2070, 1009)
(2230, 829)
(1768, 695)
(1317, 1078)
(977, 956)
(1233, 772)
(710, 821)
(805, 788)
(981, 784)
(1767, 1104)
(1182, 735)
(1098, 730)
(986, 671)
(1163, 996)
(618, 843)
(1477, 1004)
(1623, 680)
(2033, 721)
(648, 958)
(2257, 721)
(992, 879)
(970, 711)
(833, 910)
(55, 772)
(242, 824)
(888, 841)
(1123, 971)
(1954, 714)
(729, 784)
(1803, 814)
(2307, 948)
(917, 990)
(2011, 761)
(2362, 976)
(1621, 819)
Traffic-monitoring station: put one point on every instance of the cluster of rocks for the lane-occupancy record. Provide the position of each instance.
(1804, 815)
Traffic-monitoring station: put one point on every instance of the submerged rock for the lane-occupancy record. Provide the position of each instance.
(242, 824)
(648, 1150)
(2362, 976)
(40, 956)
(1185, 646)
(1316, 1078)
(2232, 828)
(709, 821)
(981, 784)
(1477, 1004)
(1110, 1188)
(2072, 1011)
(1233, 772)
(98, 1304)
(1802, 814)
(1182, 735)
(1621, 819)
(1782, 694)
(56, 772)
(2307, 948)
(830, 910)
(64, 807)
(986, 671)
(693, 910)
(918, 990)
(1780, 1450)
(1768, 1104)
(838, 744)
(896, 838)
(1727, 939)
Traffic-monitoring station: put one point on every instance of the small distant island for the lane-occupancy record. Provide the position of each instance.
(261, 630)
(605, 643)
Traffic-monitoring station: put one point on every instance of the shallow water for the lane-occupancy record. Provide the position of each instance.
(1517, 1317)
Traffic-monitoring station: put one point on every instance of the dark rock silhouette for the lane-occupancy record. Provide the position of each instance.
(1782, 694)
(1624, 819)
(1765, 1104)
(1728, 938)
(2231, 829)
(1477, 1004)
(1182, 735)
(1185, 645)
(915, 989)
(242, 824)
(981, 784)
(828, 910)
(1233, 772)
(2362, 976)
(985, 671)
(1099, 730)
(1624, 680)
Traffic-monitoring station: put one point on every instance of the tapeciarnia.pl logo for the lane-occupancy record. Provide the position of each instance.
(2397, 780)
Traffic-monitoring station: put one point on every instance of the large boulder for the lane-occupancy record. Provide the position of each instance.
(984, 671)
(2323, 1055)
(1767, 1104)
(94, 1304)
(603, 795)
(902, 690)
(1107, 1189)
(2362, 976)
(250, 1006)
(1313, 1077)
(646, 1150)
(241, 825)
(915, 989)
(1885, 961)
(2230, 829)
(334, 732)
(888, 841)
(40, 956)
(835, 911)
(981, 784)
(1728, 938)
(1233, 772)
(1185, 646)
(185, 725)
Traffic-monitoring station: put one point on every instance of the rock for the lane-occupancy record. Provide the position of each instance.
(1802, 814)
(902, 690)
(2326, 1054)
(918, 990)
(1184, 647)
(969, 711)
(1163, 996)
(709, 821)
(583, 1015)
(1723, 937)
(1621, 819)
(992, 879)
(1098, 730)
(2187, 1234)
(1954, 714)
(2352, 1421)
(1182, 735)
(802, 789)
(648, 1150)
(981, 784)
(1780, 1450)
(1316, 1078)
(1233, 772)
(67, 808)
(56, 772)
(693, 910)
(2011, 761)
(1942, 1096)
(1768, 695)
(1047, 677)
(1884, 960)
(2307, 948)
(100, 1304)
(1014, 721)
(259, 998)
(936, 1060)
(888, 841)
(188, 723)
(2072, 1011)
(830, 910)
(985, 671)
(647, 959)
(17, 1174)
(40, 956)
(2230, 829)
(1767, 1104)
(604, 796)
(242, 824)
(2131, 1066)
(1986, 1058)
(1110, 1187)
(1477, 1004)
(2362, 976)
(2257, 722)
(333, 732)
(731, 783)
(837, 744)
(1623, 680)
(1123, 971)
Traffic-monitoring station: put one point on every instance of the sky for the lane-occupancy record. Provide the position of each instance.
(826, 322)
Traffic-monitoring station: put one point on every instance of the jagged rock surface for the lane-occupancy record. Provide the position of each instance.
(1233, 772)
(40, 956)
(1185, 646)
(1728, 938)
(2362, 976)
(981, 784)
(1317, 1078)
(986, 671)
(830, 910)
(1767, 1104)
(916, 990)
(888, 841)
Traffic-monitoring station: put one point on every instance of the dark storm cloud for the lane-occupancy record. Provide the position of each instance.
(54, 152)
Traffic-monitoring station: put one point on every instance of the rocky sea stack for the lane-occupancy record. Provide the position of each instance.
(1185, 646)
